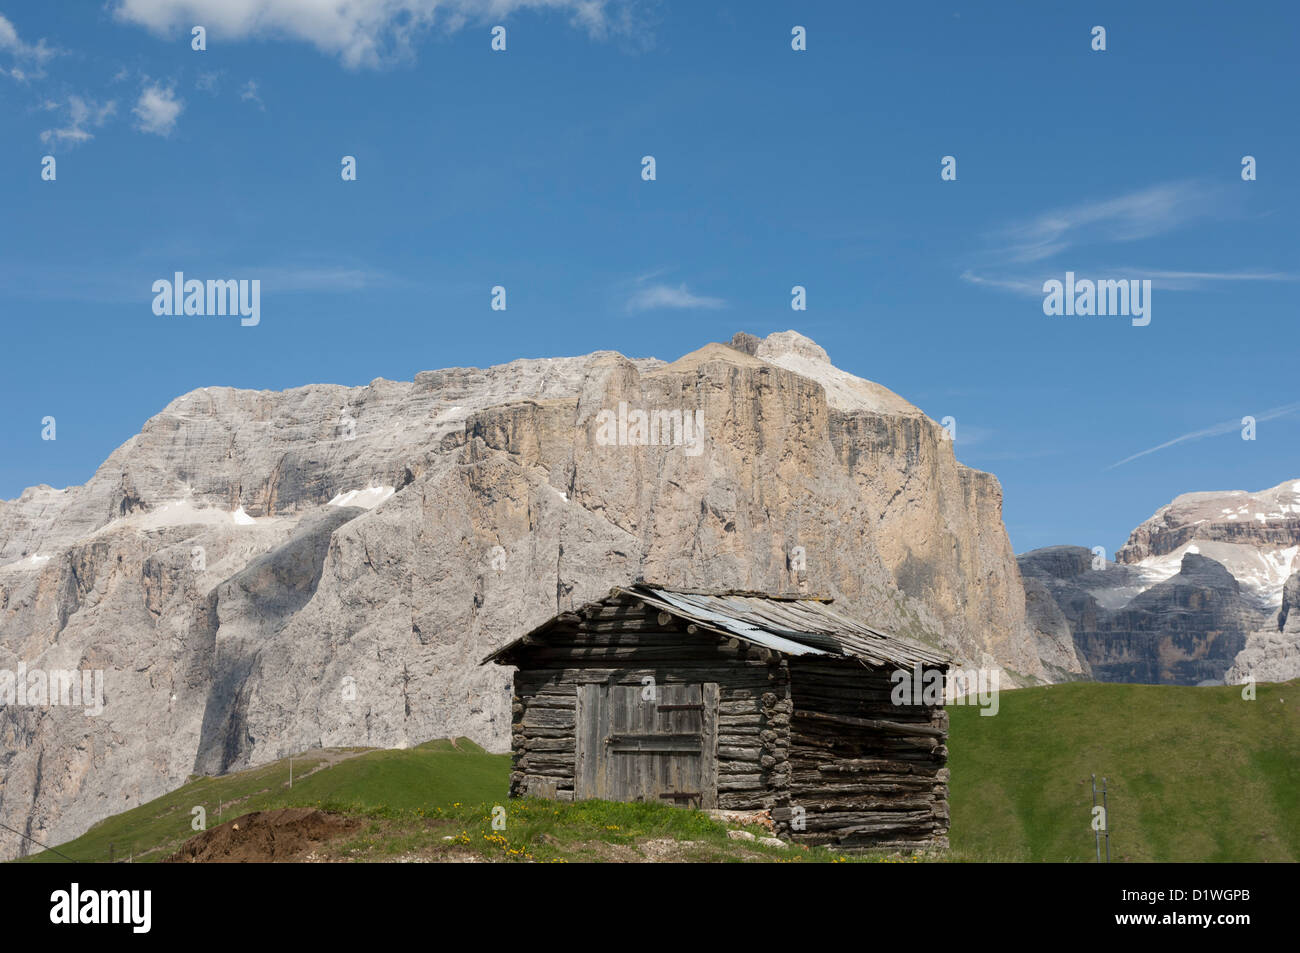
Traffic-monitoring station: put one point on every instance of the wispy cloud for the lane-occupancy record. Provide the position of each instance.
(1218, 430)
(1026, 286)
(1130, 217)
(249, 94)
(1016, 257)
(10, 42)
(1192, 280)
(158, 109)
(1032, 287)
(300, 279)
(82, 115)
(29, 59)
(362, 33)
(127, 280)
(660, 296)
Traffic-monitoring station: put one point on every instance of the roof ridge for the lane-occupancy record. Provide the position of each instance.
(747, 593)
(794, 625)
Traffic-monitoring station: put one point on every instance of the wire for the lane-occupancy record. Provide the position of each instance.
(39, 844)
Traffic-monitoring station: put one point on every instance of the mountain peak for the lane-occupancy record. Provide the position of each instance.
(844, 391)
(780, 343)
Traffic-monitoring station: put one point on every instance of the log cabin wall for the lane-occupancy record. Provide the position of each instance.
(813, 738)
(866, 772)
(622, 642)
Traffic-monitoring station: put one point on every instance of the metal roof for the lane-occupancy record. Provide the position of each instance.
(792, 626)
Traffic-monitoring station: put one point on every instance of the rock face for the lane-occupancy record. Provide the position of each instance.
(1183, 631)
(1190, 597)
(1272, 654)
(1053, 634)
(257, 573)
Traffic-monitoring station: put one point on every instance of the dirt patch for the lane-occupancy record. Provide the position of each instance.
(663, 850)
(291, 834)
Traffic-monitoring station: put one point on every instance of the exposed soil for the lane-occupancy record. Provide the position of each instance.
(291, 834)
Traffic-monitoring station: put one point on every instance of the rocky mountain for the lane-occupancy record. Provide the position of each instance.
(1197, 594)
(1183, 630)
(1256, 536)
(258, 572)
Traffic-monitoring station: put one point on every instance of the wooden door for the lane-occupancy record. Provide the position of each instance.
(634, 748)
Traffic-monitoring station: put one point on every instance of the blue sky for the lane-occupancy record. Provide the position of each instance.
(774, 168)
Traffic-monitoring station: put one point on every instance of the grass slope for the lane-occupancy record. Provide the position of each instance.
(1195, 774)
(424, 778)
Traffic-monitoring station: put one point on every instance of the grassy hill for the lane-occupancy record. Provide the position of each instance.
(1195, 774)
(431, 802)
(359, 781)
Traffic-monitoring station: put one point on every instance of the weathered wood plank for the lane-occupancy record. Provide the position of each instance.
(587, 774)
(710, 698)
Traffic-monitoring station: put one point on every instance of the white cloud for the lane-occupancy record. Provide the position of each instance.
(26, 53)
(249, 94)
(1127, 218)
(83, 115)
(8, 35)
(158, 109)
(1191, 280)
(666, 296)
(323, 278)
(359, 32)
(1023, 286)
(1032, 287)
(11, 43)
(1017, 259)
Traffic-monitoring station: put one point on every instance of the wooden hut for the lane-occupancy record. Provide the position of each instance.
(738, 701)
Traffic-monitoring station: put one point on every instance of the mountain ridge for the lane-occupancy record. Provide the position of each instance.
(1198, 593)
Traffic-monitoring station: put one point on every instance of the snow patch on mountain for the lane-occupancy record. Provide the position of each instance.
(367, 499)
(1263, 572)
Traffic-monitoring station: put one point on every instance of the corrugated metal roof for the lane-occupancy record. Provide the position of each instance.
(791, 626)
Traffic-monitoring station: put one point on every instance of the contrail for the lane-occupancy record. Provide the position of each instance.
(1215, 431)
